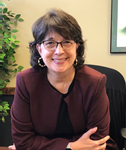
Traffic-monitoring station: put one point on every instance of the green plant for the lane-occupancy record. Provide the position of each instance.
(8, 45)
(4, 107)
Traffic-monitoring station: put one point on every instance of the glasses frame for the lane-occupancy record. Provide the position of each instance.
(71, 41)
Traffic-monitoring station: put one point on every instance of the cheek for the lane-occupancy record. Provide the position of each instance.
(46, 55)
(75, 53)
(42, 53)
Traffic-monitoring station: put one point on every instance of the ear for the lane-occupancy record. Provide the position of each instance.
(38, 47)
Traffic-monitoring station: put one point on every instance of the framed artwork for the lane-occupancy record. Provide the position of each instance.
(118, 26)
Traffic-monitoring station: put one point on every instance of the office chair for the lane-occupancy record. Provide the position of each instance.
(116, 91)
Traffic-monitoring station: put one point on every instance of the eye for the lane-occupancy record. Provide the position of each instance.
(67, 42)
(49, 43)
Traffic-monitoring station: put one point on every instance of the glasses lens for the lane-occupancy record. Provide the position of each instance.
(67, 44)
(49, 45)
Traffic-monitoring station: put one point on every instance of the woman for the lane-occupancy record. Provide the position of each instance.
(60, 103)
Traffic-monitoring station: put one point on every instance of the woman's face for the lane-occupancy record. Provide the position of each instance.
(58, 60)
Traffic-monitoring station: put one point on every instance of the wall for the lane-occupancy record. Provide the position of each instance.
(94, 17)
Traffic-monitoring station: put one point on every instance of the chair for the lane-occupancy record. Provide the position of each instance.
(116, 91)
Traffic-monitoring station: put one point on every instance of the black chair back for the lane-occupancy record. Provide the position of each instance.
(116, 91)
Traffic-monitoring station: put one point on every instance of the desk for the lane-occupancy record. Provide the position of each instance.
(4, 148)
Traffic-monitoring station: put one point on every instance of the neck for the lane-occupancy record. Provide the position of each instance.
(61, 81)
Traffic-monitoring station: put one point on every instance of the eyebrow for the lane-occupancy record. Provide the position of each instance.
(51, 38)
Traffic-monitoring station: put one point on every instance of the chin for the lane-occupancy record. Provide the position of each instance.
(59, 69)
(62, 70)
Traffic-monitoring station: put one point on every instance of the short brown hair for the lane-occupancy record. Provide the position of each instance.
(64, 24)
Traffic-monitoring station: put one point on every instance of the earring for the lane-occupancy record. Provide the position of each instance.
(75, 62)
(40, 58)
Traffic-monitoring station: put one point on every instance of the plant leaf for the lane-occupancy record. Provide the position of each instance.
(1, 61)
(11, 39)
(16, 42)
(12, 13)
(1, 25)
(3, 119)
(20, 67)
(17, 16)
(11, 23)
(13, 45)
(5, 10)
(8, 47)
(5, 35)
(14, 36)
(1, 108)
(1, 31)
(5, 113)
(6, 18)
(13, 59)
(7, 80)
(21, 20)
(1, 42)
(15, 71)
(6, 40)
(11, 70)
(11, 16)
(9, 12)
(14, 64)
(4, 103)
(6, 107)
(1, 86)
(1, 81)
(15, 30)
(2, 55)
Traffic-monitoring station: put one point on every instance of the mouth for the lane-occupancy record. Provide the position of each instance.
(59, 60)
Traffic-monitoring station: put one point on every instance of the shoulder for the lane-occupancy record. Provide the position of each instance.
(88, 71)
(30, 73)
(90, 76)
(30, 79)
(31, 76)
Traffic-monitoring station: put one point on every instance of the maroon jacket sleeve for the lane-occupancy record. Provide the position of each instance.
(23, 133)
(97, 109)
(97, 112)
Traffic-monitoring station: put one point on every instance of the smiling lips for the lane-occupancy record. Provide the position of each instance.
(59, 60)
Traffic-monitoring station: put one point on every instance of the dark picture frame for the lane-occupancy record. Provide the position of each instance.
(115, 47)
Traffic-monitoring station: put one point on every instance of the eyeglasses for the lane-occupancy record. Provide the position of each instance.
(51, 45)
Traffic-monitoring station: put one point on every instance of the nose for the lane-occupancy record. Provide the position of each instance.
(59, 49)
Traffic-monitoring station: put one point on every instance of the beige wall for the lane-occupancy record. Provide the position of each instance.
(94, 17)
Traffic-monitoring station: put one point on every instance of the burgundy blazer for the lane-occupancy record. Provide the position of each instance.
(36, 104)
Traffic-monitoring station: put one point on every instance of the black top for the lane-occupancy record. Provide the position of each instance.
(64, 127)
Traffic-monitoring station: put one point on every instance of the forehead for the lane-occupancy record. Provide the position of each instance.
(53, 35)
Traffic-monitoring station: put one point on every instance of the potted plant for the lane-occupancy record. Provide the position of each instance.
(8, 45)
